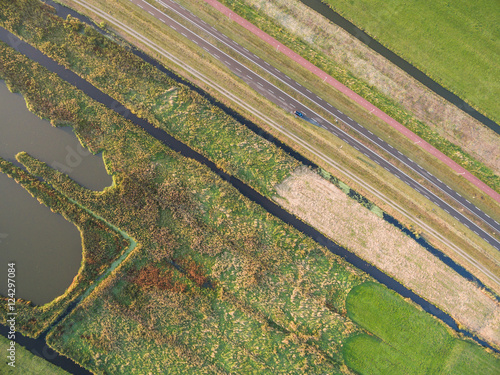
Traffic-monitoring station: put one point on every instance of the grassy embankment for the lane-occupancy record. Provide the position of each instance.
(216, 285)
(101, 246)
(383, 84)
(457, 45)
(26, 362)
(414, 204)
(385, 103)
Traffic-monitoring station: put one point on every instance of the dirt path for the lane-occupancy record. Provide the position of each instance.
(358, 99)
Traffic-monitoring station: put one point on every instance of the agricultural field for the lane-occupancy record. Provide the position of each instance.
(456, 44)
(403, 340)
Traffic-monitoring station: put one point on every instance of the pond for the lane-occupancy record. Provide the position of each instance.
(46, 248)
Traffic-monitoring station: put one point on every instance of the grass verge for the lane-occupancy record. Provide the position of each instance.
(287, 29)
(329, 145)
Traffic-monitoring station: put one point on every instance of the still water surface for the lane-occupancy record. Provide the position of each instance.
(45, 247)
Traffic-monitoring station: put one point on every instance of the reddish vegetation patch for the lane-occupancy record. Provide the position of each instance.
(193, 271)
(151, 276)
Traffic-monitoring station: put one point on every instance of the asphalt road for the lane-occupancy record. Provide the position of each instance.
(287, 102)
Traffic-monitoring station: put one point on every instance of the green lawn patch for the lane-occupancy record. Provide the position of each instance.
(402, 339)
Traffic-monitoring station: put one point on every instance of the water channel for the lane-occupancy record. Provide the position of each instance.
(46, 248)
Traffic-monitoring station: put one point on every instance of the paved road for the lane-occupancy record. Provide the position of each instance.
(287, 102)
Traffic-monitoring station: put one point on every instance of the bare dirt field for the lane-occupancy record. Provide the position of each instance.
(327, 208)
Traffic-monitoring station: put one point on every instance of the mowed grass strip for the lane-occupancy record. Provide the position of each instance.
(405, 340)
(455, 43)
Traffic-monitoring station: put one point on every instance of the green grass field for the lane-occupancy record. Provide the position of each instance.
(405, 340)
(455, 43)
(26, 363)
